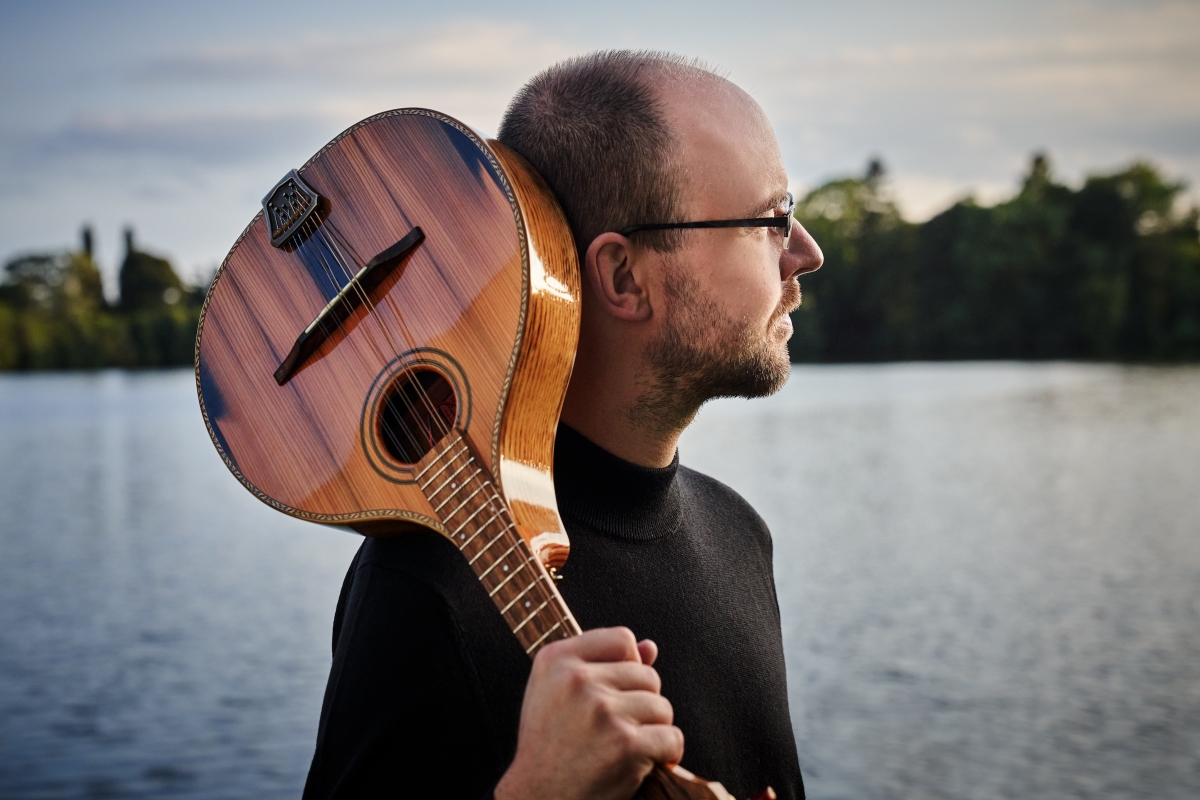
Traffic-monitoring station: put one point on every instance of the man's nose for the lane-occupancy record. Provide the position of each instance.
(802, 255)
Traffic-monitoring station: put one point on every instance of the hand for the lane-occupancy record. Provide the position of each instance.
(593, 722)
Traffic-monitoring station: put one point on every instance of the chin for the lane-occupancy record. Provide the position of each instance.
(759, 375)
(703, 353)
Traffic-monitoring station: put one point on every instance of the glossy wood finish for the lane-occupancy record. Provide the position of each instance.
(460, 490)
(544, 366)
(497, 264)
(676, 783)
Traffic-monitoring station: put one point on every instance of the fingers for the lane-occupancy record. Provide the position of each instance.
(648, 650)
(593, 701)
(644, 708)
(662, 743)
(627, 676)
(604, 644)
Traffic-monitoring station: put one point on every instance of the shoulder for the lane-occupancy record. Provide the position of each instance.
(419, 581)
(424, 669)
(410, 596)
(393, 595)
(708, 497)
(405, 578)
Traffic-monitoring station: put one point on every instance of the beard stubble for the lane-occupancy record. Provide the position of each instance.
(702, 353)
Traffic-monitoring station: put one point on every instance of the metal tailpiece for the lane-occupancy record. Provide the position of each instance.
(287, 206)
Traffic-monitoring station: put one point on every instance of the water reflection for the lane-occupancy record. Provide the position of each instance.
(989, 577)
(162, 633)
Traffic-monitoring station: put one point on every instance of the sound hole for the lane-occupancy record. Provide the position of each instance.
(419, 410)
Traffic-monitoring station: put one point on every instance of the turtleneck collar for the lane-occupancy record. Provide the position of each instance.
(612, 495)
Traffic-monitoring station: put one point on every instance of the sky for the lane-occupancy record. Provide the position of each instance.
(176, 118)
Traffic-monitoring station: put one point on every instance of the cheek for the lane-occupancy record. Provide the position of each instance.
(753, 288)
(742, 279)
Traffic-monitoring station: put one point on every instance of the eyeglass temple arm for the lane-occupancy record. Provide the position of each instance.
(754, 222)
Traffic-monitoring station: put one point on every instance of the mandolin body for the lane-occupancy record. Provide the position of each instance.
(489, 301)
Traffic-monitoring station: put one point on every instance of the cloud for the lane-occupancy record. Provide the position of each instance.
(1095, 85)
(476, 50)
(468, 69)
(201, 138)
(1095, 62)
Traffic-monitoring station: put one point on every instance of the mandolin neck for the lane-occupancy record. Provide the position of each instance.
(464, 498)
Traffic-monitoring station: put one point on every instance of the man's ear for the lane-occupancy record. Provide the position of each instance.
(617, 277)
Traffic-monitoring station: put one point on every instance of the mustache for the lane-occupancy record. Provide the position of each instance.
(790, 301)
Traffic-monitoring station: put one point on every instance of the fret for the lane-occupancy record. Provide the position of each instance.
(520, 567)
(465, 501)
(524, 593)
(521, 594)
(531, 616)
(435, 459)
(534, 594)
(437, 509)
(505, 530)
(449, 463)
(474, 513)
(542, 638)
(454, 474)
(499, 560)
(459, 486)
(458, 508)
(481, 529)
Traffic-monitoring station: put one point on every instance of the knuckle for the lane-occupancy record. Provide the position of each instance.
(544, 657)
(551, 655)
(604, 710)
(626, 636)
(577, 677)
(626, 741)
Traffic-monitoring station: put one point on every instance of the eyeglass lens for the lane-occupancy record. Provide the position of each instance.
(789, 210)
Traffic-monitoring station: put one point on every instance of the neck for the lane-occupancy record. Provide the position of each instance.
(622, 413)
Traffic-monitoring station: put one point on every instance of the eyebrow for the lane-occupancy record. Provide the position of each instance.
(771, 205)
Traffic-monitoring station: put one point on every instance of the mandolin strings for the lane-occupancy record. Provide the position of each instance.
(406, 338)
(321, 244)
(311, 229)
(481, 479)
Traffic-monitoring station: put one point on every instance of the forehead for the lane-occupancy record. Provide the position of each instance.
(725, 147)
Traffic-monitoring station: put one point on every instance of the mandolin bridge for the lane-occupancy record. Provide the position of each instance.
(288, 206)
(354, 294)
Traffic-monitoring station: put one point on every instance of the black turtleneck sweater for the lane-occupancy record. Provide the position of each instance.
(424, 695)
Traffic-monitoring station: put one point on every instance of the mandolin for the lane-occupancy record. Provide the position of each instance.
(387, 347)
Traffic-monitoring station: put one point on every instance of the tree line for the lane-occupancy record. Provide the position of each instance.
(1108, 271)
(53, 313)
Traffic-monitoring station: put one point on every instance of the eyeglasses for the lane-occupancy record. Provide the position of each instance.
(783, 222)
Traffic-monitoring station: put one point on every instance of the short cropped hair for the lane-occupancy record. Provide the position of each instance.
(595, 130)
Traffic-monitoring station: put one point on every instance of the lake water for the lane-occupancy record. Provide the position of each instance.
(989, 577)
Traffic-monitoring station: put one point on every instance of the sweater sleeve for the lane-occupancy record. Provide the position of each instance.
(403, 713)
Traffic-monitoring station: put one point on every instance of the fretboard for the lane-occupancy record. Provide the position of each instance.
(464, 498)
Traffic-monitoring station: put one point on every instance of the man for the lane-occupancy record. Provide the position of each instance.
(429, 694)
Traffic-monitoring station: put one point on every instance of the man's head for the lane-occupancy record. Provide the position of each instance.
(596, 131)
(670, 318)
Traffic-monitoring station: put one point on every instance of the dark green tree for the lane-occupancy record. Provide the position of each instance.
(147, 282)
(1109, 271)
(859, 306)
(53, 314)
